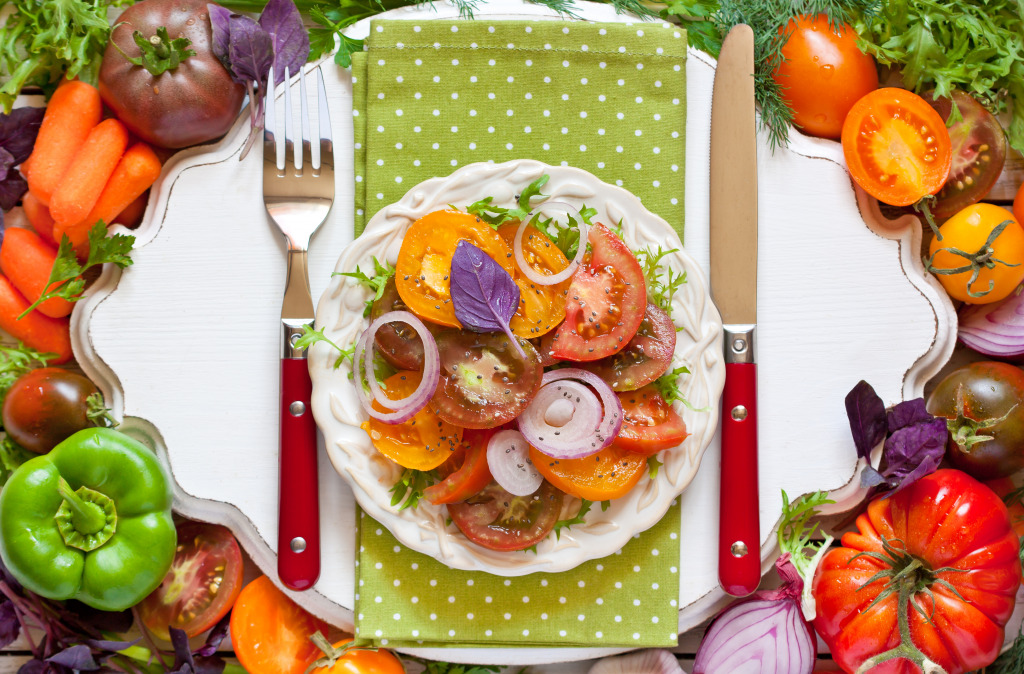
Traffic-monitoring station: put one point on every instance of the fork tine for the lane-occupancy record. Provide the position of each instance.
(289, 143)
(302, 147)
(270, 135)
(324, 121)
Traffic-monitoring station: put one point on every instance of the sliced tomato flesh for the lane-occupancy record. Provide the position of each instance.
(497, 520)
(646, 357)
(649, 424)
(466, 472)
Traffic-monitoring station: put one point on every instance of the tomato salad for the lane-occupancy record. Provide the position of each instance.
(513, 358)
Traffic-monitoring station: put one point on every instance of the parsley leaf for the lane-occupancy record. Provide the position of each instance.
(376, 281)
(66, 274)
(16, 361)
(566, 237)
(310, 337)
(578, 519)
(668, 385)
(408, 491)
(662, 280)
(496, 216)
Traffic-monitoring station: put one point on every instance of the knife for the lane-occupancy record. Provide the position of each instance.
(733, 209)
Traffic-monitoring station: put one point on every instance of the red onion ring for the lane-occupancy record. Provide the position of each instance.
(517, 245)
(995, 329)
(404, 408)
(587, 430)
(508, 457)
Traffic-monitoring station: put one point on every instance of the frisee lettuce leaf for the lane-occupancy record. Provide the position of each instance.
(408, 491)
(794, 537)
(662, 280)
(375, 280)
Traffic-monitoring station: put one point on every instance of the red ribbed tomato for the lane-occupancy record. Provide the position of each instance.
(939, 556)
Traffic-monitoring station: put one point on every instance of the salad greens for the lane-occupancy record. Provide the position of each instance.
(662, 281)
(375, 280)
(794, 537)
(408, 491)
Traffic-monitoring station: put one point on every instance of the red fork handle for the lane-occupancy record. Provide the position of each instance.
(298, 540)
(739, 536)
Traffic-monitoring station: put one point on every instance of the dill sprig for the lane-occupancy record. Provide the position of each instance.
(708, 21)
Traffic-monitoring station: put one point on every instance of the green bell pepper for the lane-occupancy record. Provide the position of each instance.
(90, 521)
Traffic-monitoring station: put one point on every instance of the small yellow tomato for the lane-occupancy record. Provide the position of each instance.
(980, 258)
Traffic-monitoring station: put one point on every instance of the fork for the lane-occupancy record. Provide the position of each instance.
(298, 196)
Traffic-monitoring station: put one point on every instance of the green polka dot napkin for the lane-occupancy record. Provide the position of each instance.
(430, 97)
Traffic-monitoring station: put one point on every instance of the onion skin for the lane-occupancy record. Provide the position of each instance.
(995, 329)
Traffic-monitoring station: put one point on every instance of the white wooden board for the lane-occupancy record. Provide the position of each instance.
(184, 343)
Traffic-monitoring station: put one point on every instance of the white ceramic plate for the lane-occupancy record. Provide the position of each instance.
(425, 528)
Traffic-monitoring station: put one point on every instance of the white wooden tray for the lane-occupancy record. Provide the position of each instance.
(184, 343)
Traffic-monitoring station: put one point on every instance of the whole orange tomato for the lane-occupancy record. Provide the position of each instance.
(338, 660)
(270, 633)
(1018, 204)
(823, 75)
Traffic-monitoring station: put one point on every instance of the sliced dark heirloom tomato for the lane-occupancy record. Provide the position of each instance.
(646, 356)
(497, 520)
(649, 424)
(606, 301)
(609, 474)
(425, 261)
(422, 442)
(540, 307)
(979, 151)
(484, 382)
(397, 343)
(466, 472)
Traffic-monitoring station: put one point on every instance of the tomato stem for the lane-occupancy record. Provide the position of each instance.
(923, 206)
(983, 257)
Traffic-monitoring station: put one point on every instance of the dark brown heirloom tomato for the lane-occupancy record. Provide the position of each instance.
(497, 520)
(484, 381)
(984, 403)
(397, 343)
(194, 103)
(45, 406)
(646, 356)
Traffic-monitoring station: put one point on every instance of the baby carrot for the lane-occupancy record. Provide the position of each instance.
(37, 330)
(88, 172)
(39, 215)
(131, 216)
(135, 173)
(74, 109)
(27, 260)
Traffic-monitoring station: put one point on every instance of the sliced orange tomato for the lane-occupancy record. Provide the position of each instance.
(541, 308)
(422, 442)
(270, 633)
(425, 261)
(609, 474)
(896, 146)
(466, 472)
(337, 660)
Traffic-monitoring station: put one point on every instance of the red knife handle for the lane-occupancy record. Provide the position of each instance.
(739, 536)
(298, 539)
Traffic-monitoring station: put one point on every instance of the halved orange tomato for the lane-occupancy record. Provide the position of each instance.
(425, 261)
(609, 474)
(422, 442)
(541, 307)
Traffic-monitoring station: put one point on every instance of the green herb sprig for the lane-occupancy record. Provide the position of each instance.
(496, 216)
(375, 281)
(794, 537)
(66, 280)
(572, 521)
(16, 361)
(662, 280)
(407, 492)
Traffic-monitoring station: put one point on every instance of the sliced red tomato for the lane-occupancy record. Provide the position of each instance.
(270, 632)
(649, 424)
(646, 356)
(425, 261)
(484, 381)
(497, 520)
(422, 442)
(979, 151)
(541, 307)
(466, 472)
(609, 474)
(397, 343)
(606, 301)
(202, 584)
(896, 146)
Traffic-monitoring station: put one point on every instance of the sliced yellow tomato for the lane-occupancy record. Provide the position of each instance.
(541, 307)
(424, 441)
(609, 474)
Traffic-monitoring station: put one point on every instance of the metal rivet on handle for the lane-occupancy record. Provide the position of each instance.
(739, 549)
(299, 544)
(739, 345)
(297, 408)
(739, 413)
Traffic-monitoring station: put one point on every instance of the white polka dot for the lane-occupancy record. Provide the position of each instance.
(508, 146)
(546, 146)
(358, 146)
(472, 78)
(656, 183)
(472, 146)
(415, 633)
(508, 616)
(433, 616)
(417, 95)
(561, 633)
(378, 565)
(529, 29)
(511, 45)
(618, 618)
(565, 130)
(491, 62)
(397, 616)
(469, 616)
(565, 97)
(415, 600)
(415, 28)
(377, 600)
(583, 148)
(510, 112)
(455, 129)
(418, 62)
(527, 129)
(529, 62)
(639, 99)
(451, 600)
(380, 162)
(507, 582)
(618, 148)
(622, 50)
(636, 635)
(437, 78)
(433, 583)
(675, 101)
(528, 95)
(599, 601)
(380, 95)
(436, 146)
(675, 167)
(490, 29)
(565, 64)
(602, 64)
(561, 600)
(583, 114)
(526, 633)
(582, 584)
(581, 617)
(655, 552)
(636, 602)
(637, 166)
(380, 129)
(378, 633)
(547, 113)
(619, 183)
(437, 113)
(451, 633)
(526, 600)
(639, 66)
(415, 162)
(638, 132)
(600, 164)
(674, 202)
(672, 603)
(488, 600)
(672, 535)
(654, 619)
(469, 582)
(621, 82)
(490, 129)
(657, 150)
(618, 585)
(619, 115)
(455, 162)
(657, 83)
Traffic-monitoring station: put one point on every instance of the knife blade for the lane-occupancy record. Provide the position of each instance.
(733, 247)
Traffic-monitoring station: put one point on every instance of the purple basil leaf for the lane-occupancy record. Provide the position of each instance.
(33, 667)
(183, 669)
(209, 665)
(871, 478)
(866, 412)
(78, 657)
(914, 451)
(182, 652)
(10, 628)
(215, 637)
(282, 21)
(7, 162)
(12, 189)
(220, 22)
(484, 296)
(906, 413)
(18, 131)
(250, 50)
(106, 645)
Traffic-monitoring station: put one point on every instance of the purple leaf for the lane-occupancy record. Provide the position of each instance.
(10, 628)
(33, 667)
(106, 645)
(484, 296)
(209, 665)
(215, 637)
(77, 657)
(220, 22)
(871, 478)
(282, 21)
(182, 652)
(914, 451)
(18, 131)
(6, 163)
(101, 621)
(908, 412)
(866, 412)
(12, 189)
(250, 50)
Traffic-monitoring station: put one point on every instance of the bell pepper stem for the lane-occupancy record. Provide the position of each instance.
(88, 517)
